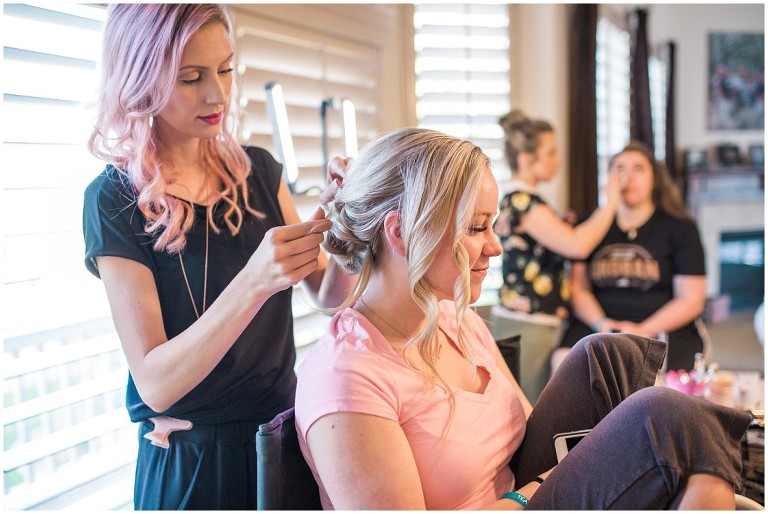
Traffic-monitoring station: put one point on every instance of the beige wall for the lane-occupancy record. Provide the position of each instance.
(539, 75)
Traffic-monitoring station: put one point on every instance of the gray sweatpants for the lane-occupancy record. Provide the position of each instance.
(645, 441)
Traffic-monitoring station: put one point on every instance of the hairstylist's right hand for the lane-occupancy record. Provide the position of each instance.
(288, 254)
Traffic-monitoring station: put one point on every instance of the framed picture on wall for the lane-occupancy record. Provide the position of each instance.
(736, 81)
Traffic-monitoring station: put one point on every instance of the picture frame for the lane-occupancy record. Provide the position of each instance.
(728, 155)
(736, 81)
(695, 159)
(756, 155)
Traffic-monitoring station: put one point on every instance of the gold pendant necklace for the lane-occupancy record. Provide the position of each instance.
(205, 271)
(632, 234)
(384, 321)
(205, 265)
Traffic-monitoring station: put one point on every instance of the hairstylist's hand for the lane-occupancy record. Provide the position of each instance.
(570, 217)
(337, 170)
(288, 254)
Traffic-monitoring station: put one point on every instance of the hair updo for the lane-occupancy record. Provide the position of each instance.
(421, 173)
(521, 135)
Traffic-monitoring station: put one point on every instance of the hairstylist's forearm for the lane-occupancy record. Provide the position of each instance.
(593, 230)
(560, 237)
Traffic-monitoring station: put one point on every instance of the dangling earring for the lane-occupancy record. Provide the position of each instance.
(151, 121)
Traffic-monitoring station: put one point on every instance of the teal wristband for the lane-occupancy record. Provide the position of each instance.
(596, 326)
(519, 498)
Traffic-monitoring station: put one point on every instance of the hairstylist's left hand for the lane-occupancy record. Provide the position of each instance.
(337, 170)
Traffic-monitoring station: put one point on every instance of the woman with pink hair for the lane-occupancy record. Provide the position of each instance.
(198, 244)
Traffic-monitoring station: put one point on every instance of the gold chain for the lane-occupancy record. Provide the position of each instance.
(205, 265)
(205, 271)
(384, 321)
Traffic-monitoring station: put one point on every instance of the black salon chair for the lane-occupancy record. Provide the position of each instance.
(283, 478)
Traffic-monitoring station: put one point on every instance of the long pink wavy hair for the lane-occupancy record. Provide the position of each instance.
(143, 44)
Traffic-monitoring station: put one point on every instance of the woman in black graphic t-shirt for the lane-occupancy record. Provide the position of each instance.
(647, 276)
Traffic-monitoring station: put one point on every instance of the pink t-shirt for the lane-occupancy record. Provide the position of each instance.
(354, 369)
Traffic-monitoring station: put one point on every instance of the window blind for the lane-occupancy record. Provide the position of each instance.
(64, 424)
(463, 85)
(462, 72)
(47, 81)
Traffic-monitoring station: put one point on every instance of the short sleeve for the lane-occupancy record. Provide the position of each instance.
(512, 208)
(112, 223)
(343, 378)
(688, 252)
(265, 167)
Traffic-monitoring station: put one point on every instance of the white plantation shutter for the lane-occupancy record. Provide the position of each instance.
(311, 66)
(462, 72)
(66, 433)
(463, 84)
(47, 81)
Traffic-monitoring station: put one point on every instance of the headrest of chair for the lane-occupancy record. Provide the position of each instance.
(278, 421)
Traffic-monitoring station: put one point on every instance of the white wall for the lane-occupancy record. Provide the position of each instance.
(538, 39)
(689, 25)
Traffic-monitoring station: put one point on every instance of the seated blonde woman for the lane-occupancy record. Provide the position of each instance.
(406, 402)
